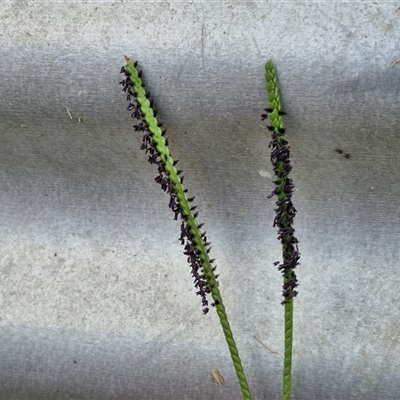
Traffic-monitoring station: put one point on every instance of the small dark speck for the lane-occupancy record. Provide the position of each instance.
(340, 151)
(28, 34)
(75, 362)
(55, 254)
(347, 155)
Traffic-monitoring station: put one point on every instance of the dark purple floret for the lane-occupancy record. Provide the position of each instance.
(140, 127)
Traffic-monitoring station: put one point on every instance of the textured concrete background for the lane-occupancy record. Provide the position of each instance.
(96, 298)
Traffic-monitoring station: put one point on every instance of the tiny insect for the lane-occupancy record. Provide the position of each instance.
(347, 155)
(340, 151)
(217, 376)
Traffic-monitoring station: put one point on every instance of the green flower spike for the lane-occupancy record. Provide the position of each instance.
(196, 246)
(285, 213)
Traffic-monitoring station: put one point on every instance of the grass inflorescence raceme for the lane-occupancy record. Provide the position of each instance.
(284, 214)
(285, 211)
(196, 245)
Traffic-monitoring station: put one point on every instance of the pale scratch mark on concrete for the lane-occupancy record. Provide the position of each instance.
(258, 50)
(167, 335)
(395, 62)
(264, 345)
(69, 113)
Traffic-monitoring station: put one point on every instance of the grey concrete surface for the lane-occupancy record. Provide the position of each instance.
(96, 299)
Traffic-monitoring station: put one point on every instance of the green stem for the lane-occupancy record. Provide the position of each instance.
(287, 363)
(189, 216)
